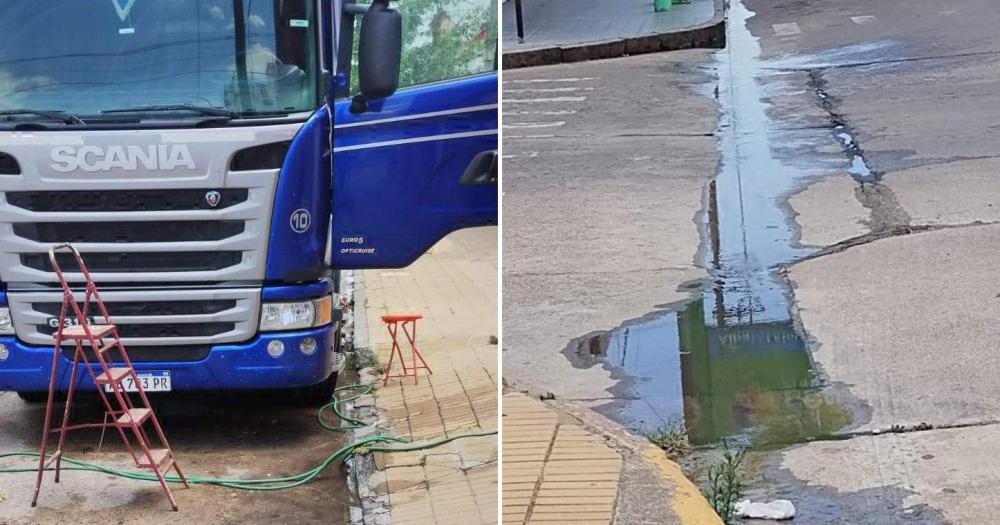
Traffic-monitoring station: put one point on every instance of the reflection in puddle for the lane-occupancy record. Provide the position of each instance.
(731, 364)
(752, 381)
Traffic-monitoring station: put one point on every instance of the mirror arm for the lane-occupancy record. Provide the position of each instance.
(359, 104)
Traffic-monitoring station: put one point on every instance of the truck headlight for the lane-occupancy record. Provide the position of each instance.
(6, 325)
(295, 315)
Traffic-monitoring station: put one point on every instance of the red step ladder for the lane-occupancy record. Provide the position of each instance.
(127, 417)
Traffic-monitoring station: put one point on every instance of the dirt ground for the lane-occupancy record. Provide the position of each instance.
(249, 435)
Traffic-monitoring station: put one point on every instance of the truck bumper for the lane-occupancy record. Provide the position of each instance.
(227, 367)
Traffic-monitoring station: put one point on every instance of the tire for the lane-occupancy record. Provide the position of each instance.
(34, 397)
(318, 394)
(322, 393)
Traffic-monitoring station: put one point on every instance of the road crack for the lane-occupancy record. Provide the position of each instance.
(885, 212)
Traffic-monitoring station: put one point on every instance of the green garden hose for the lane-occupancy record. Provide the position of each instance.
(375, 443)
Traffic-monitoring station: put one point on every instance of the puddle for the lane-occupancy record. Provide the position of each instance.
(730, 363)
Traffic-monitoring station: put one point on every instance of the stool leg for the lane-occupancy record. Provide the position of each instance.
(392, 353)
(414, 352)
(413, 347)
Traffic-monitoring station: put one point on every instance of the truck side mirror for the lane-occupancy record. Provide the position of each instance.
(380, 49)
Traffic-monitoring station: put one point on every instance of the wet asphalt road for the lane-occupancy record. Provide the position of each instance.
(855, 123)
(240, 436)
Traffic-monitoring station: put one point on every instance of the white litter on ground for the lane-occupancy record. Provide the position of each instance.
(779, 509)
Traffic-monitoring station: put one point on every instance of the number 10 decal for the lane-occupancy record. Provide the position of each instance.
(300, 220)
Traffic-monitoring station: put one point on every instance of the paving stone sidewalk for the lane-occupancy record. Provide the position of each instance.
(554, 471)
(454, 287)
(550, 23)
(562, 463)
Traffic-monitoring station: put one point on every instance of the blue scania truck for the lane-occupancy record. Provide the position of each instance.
(217, 162)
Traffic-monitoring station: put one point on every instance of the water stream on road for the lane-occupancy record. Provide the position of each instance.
(731, 363)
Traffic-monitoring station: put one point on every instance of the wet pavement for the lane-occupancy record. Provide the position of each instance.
(213, 435)
(731, 364)
(854, 181)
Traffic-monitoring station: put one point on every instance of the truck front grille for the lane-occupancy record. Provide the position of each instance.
(163, 330)
(157, 318)
(124, 200)
(129, 232)
(137, 262)
(172, 235)
(154, 354)
(150, 307)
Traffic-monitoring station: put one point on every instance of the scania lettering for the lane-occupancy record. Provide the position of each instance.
(218, 162)
(94, 158)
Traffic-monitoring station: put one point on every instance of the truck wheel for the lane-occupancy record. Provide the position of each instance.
(34, 397)
(318, 394)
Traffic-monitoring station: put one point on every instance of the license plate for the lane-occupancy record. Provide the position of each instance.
(69, 321)
(154, 381)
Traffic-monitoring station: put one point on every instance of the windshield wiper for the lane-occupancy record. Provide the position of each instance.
(52, 115)
(203, 110)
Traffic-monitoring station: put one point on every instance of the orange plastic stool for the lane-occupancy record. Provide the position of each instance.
(392, 323)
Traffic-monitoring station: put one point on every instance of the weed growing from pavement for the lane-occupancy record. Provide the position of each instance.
(726, 483)
(368, 359)
(672, 439)
(494, 340)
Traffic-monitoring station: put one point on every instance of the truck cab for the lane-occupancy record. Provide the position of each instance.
(217, 162)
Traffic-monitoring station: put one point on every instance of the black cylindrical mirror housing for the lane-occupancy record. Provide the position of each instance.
(379, 51)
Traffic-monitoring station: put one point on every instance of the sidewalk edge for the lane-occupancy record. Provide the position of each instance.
(710, 35)
(688, 504)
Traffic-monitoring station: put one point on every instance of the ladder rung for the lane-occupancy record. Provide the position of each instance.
(139, 415)
(96, 330)
(160, 457)
(116, 375)
(108, 346)
(52, 459)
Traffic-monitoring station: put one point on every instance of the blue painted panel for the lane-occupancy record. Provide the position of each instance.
(304, 184)
(296, 292)
(397, 168)
(229, 366)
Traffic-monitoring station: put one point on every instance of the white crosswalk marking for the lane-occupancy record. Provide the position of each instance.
(514, 125)
(543, 80)
(553, 112)
(526, 114)
(542, 100)
(548, 90)
(525, 155)
(786, 29)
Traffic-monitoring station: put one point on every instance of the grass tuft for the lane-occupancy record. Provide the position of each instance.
(726, 484)
(672, 439)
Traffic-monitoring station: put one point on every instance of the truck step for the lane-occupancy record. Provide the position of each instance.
(114, 375)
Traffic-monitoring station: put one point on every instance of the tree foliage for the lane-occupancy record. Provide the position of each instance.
(443, 39)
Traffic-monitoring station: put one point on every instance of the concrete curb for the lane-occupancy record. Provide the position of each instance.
(710, 35)
(687, 501)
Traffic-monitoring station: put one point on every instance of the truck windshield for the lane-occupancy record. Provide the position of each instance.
(85, 57)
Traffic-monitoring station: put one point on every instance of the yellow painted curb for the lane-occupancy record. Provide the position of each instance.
(689, 505)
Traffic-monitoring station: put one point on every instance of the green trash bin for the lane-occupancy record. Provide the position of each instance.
(662, 5)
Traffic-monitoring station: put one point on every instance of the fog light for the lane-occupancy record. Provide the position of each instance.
(4, 352)
(275, 348)
(308, 346)
(6, 324)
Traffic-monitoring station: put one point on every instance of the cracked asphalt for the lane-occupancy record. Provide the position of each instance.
(898, 299)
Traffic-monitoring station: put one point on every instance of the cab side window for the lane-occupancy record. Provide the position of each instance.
(443, 40)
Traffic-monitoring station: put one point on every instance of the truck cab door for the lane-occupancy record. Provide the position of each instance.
(422, 162)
